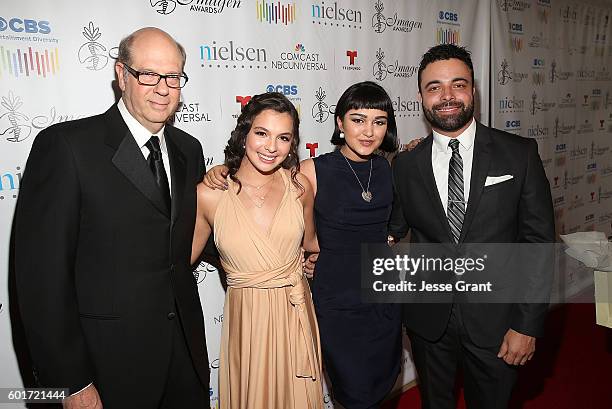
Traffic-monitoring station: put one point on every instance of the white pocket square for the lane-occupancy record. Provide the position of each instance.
(493, 180)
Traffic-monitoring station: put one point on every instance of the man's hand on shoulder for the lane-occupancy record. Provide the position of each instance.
(88, 398)
(413, 144)
(216, 177)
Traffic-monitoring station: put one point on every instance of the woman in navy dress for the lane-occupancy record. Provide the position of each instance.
(361, 342)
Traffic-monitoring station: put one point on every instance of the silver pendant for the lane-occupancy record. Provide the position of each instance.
(366, 195)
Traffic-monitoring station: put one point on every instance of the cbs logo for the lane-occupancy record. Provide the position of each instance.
(448, 16)
(283, 89)
(26, 25)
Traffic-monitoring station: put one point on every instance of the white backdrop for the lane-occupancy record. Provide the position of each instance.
(552, 82)
(56, 64)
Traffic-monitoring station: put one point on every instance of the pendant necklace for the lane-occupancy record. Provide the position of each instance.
(365, 193)
(261, 196)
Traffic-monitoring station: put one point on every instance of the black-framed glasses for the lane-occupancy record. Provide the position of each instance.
(151, 79)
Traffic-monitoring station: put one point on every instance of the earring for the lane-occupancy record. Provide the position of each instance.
(243, 146)
(289, 155)
(341, 135)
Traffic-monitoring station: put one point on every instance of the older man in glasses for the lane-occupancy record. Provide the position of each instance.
(103, 231)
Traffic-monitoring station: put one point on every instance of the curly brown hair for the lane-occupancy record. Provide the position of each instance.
(235, 148)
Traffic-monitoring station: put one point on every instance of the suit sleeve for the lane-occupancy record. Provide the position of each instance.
(536, 225)
(201, 164)
(398, 227)
(210, 253)
(46, 236)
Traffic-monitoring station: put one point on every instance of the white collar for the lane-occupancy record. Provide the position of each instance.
(139, 132)
(466, 139)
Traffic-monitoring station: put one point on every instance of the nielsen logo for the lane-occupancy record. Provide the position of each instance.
(230, 52)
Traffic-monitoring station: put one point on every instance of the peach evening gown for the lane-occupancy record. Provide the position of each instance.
(270, 348)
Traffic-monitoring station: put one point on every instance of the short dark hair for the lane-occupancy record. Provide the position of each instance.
(367, 95)
(445, 52)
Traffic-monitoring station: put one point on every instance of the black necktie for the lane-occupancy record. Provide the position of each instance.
(456, 201)
(157, 167)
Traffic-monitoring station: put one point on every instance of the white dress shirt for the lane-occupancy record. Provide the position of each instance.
(142, 136)
(441, 155)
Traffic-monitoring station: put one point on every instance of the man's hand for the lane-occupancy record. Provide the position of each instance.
(88, 398)
(413, 143)
(517, 348)
(216, 177)
(309, 265)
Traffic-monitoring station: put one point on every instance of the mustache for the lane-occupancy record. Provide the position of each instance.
(455, 104)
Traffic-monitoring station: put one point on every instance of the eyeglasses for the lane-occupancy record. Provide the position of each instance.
(151, 79)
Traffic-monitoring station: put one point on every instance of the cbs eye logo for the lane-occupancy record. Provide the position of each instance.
(283, 89)
(29, 26)
(448, 16)
(513, 124)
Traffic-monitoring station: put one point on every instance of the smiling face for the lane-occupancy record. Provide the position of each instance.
(269, 141)
(151, 51)
(447, 95)
(364, 131)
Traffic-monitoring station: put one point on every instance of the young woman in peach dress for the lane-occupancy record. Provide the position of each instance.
(270, 349)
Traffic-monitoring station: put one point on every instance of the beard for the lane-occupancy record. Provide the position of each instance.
(450, 123)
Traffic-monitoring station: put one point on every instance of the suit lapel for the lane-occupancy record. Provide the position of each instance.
(128, 159)
(177, 172)
(480, 169)
(427, 175)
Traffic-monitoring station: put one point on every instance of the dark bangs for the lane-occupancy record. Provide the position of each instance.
(367, 95)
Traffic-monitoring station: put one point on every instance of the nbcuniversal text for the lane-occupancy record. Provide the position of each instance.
(464, 273)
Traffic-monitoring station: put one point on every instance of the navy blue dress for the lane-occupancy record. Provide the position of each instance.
(361, 342)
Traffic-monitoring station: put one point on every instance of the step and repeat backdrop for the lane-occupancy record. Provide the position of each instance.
(551, 79)
(541, 71)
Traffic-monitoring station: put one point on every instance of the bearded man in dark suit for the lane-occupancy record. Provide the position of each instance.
(468, 183)
(103, 233)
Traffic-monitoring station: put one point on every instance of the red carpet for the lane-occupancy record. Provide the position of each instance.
(572, 368)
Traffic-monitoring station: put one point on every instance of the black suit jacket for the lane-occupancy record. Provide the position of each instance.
(102, 268)
(516, 211)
